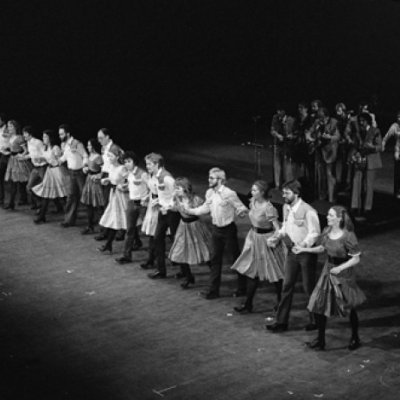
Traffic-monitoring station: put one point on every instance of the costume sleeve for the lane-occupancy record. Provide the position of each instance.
(351, 244)
(234, 200)
(271, 213)
(204, 208)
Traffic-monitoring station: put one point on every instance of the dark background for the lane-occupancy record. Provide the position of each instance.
(175, 70)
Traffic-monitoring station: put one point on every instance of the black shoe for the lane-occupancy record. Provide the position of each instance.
(209, 295)
(354, 344)
(147, 265)
(239, 293)
(187, 282)
(9, 207)
(277, 328)
(105, 249)
(87, 231)
(123, 260)
(157, 275)
(120, 238)
(39, 220)
(310, 327)
(316, 345)
(137, 246)
(66, 224)
(100, 237)
(179, 275)
(243, 309)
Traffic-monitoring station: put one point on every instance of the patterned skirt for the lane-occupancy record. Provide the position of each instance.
(92, 193)
(18, 170)
(150, 220)
(114, 216)
(53, 185)
(259, 260)
(335, 294)
(192, 243)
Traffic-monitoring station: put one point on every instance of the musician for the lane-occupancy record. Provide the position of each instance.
(325, 136)
(394, 131)
(282, 132)
(315, 106)
(366, 160)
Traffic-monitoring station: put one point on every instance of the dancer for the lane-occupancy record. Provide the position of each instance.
(168, 218)
(300, 226)
(54, 184)
(138, 193)
(336, 293)
(75, 155)
(114, 217)
(92, 193)
(192, 239)
(223, 204)
(258, 261)
(4, 154)
(18, 168)
(394, 131)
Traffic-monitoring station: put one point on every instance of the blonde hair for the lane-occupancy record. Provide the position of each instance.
(219, 173)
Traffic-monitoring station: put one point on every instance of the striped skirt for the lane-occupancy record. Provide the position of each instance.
(92, 193)
(259, 260)
(53, 185)
(114, 216)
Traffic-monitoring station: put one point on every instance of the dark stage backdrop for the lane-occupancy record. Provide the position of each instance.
(168, 70)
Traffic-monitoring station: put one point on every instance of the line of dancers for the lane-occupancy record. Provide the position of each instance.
(335, 154)
(122, 197)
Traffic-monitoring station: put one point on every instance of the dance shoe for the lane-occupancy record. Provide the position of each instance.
(9, 207)
(39, 220)
(243, 309)
(87, 231)
(157, 275)
(66, 224)
(209, 295)
(105, 249)
(137, 246)
(187, 282)
(316, 345)
(354, 344)
(123, 260)
(100, 237)
(147, 265)
(277, 328)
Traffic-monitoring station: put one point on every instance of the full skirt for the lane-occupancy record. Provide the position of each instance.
(114, 216)
(259, 260)
(335, 294)
(192, 243)
(18, 170)
(53, 185)
(150, 220)
(92, 193)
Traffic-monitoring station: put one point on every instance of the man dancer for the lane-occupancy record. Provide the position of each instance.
(74, 154)
(35, 154)
(138, 192)
(167, 218)
(300, 227)
(223, 204)
(4, 154)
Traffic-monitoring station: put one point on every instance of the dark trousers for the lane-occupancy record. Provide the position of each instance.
(45, 205)
(396, 177)
(169, 220)
(304, 262)
(225, 237)
(17, 187)
(132, 234)
(35, 177)
(77, 181)
(3, 169)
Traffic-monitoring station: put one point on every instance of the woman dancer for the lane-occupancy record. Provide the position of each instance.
(336, 292)
(192, 238)
(92, 192)
(18, 168)
(258, 261)
(114, 217)
(150, 219)
(54, 185)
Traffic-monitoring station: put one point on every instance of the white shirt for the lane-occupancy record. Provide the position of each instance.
(165, 191)
(75, 156)
(35, 151)
(4, 141)
(106, 162)
(138, 189)
(223, 204)
(304, 230)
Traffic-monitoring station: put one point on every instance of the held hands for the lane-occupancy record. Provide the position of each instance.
(272, 241)
(336, 270)
(297, 249)
(243, 213)
(85, 169)
(104, 181)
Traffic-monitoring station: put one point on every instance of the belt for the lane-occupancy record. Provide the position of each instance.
(154, 196)
(262, 230)
(336, 260)
(40, 166)
(75, 170)
(137, 202)
(225, 226)
(14, 153)
(92, 172)
(188, 220)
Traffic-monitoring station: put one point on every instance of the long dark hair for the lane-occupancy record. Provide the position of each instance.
(187, 187)
(263, 187)
(52, 138)
(95, 145)
(345, 220)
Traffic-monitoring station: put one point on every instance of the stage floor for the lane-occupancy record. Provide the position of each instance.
(76, 325)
